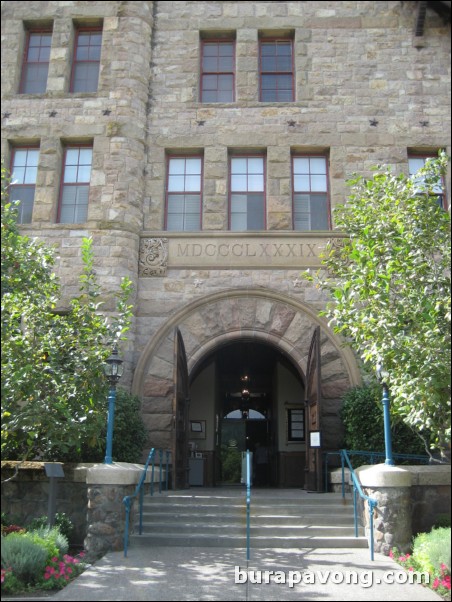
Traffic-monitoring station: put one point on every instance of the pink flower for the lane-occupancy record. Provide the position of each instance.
(436, 583)
(47, 576)
(55, 559)
(402, 558)
(391, 554)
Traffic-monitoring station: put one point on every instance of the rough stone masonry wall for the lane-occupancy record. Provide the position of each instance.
(26, 496)
(355, 63)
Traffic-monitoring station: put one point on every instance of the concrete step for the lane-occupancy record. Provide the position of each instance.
(236, 529)
(231, 541)
(279, 519)
(156, 518)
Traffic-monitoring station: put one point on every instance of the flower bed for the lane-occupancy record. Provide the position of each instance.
(36, 559)
(431, 554)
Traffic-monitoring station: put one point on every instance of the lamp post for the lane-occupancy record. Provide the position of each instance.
(113, 371)
(382, 376)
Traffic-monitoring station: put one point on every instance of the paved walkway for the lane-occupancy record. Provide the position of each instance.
(170, 573)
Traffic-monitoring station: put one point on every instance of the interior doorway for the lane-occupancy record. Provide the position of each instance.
(242, 393)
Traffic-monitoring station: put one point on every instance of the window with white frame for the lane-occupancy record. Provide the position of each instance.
(73, 208)
(311, 209)
(184, 194)
(247, 193)
(24, 170)
(416, 162)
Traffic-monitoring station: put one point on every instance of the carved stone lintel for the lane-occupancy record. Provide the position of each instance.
(153, 259)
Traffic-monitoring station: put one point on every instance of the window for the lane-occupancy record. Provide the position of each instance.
(36, 62)
(295, 425)
(218, 71)
(24, 169)
(276, 71)
(310, 193)
(416, 162)
(85, 71)
(75, 187)
(247, 193)
(184, 194)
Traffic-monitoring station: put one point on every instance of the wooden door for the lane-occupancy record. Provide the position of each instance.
(181, 402)
(314, 480)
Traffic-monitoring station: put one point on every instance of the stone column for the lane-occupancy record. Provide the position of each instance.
(108, 484)
(391, 487)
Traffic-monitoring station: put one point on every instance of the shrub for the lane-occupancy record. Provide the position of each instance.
(25, 558)
(129, 433)
(62, 521)
(54, 536)
(431, 550)
(431, 554)
(362, 415)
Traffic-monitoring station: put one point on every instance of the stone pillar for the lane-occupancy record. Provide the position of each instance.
(108, 484)
(391, 487)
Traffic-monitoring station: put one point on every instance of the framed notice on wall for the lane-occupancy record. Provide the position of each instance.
(315, 439)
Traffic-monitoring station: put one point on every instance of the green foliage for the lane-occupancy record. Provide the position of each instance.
(129, 432)
(231, 463)
(431, 557)
(26, 558)
(443, 520)
(62, 522)
(53, 385)
(389, 282)
(362, 415)
(52, 536)
(430, 550)
(43, 539)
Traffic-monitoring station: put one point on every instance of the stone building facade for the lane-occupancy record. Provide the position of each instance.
(199, 124)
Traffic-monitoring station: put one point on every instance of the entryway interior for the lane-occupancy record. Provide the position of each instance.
(246, 395)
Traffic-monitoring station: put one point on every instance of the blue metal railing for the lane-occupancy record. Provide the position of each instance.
(372, 503)
(139, 491)
(248, 503)
(371, 457)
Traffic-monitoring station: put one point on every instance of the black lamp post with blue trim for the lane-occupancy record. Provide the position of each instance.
(113, 371)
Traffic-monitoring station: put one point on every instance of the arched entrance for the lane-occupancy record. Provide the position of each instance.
(247, 395)
(211, 324)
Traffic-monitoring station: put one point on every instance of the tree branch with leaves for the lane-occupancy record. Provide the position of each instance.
(53, 385)
(389, 285)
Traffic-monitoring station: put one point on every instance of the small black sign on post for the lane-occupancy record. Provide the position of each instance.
(54, 471)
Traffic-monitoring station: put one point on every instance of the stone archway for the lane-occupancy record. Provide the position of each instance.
(211, 321)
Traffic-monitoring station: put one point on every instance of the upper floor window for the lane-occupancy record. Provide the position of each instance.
(24, 170)
(276, 71)
(416, 162)
(218, 71)
(35, 66)
(247, 187)
(310, 193)
(85, 69)
(73, 208)
(184, 194)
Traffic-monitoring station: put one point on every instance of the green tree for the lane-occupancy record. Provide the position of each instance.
(389, 282)
(52, 384)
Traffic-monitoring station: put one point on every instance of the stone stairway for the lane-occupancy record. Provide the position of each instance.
(217, 518)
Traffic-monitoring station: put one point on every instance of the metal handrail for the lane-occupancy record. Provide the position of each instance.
(139, 491)
(373, 456)
(372, 502)
(248, 502)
